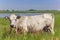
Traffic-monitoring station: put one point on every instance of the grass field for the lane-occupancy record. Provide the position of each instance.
(6, 35)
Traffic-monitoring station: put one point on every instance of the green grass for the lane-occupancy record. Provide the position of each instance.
(6, 35)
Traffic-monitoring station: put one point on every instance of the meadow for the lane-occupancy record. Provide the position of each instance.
(6, 35)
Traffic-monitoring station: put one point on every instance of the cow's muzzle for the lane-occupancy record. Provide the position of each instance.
(11, 26)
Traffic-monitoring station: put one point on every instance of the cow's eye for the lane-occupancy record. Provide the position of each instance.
(15, 19)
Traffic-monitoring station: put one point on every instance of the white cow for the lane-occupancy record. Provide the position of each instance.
(32, 23)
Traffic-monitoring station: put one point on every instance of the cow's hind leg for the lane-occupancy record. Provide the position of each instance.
(52, 28)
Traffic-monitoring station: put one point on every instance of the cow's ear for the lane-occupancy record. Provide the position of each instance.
(18, 17)
(6, 17)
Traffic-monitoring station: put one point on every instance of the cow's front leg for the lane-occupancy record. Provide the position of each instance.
(16, 30)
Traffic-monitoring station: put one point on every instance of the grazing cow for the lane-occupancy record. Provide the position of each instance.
(32, 23)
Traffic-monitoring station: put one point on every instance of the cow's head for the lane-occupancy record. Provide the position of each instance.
(13, 18)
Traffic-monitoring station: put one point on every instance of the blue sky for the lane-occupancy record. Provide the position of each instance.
(30, 4)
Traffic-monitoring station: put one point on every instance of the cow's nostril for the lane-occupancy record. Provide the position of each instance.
(12, 26)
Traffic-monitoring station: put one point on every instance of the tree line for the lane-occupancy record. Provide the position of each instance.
(29, 11)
